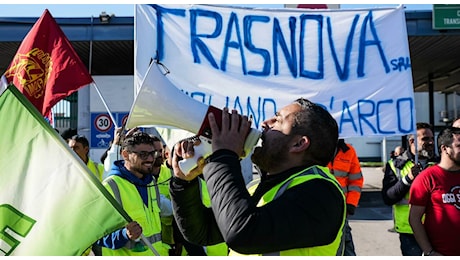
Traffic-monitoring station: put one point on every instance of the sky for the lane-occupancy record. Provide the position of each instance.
(88, 10)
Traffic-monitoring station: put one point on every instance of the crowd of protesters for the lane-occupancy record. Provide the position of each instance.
(298, 206)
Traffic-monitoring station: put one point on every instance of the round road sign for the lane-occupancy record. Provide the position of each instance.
(103, 122)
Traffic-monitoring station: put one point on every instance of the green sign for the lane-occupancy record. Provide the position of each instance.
(446, 17)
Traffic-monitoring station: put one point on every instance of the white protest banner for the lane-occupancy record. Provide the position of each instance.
(356, 63)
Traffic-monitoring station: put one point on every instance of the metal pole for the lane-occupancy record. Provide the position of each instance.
(143, 238)
(455, 104)
(384, 150)
(105, 104)
(90, 58)
(90, 68)
(147, 243)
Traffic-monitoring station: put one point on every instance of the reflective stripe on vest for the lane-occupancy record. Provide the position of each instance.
(347, 170)
(116, 192)
(315, 172)
(148, 216)
(401, 208)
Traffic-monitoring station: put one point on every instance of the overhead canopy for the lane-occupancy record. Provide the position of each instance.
(434, 53)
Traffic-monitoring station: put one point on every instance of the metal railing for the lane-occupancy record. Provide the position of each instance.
(66, 113)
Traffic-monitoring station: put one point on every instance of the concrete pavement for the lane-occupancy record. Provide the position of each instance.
(372, 219)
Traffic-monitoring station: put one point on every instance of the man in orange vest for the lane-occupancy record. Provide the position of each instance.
(347, 170)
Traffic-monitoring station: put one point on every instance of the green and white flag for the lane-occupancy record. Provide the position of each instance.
(50, 203)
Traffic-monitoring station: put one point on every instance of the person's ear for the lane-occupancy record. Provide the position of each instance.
(444, 148)
(86, 148)
(301, 144)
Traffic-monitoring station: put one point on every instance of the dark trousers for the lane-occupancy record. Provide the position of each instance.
(349, 245)
(409, 246)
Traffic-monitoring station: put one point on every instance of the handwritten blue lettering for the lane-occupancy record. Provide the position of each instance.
(342, 73)
(405, 104)
(195, 41)
(278, 38)
(380, 130)
(239, 38)
(233, 25)
(365, 119)
(401, 63)
(160, 28)
(248, 20)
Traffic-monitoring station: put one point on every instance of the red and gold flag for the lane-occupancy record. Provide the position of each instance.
(46, 68)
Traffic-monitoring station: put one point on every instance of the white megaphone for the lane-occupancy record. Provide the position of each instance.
(160, 103)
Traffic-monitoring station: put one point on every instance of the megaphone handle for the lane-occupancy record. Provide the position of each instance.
(204, 149)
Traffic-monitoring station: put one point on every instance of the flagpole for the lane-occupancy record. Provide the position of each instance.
(93, 83)
(149, 245)
(105, 104)
(124, 214)
(127, 217)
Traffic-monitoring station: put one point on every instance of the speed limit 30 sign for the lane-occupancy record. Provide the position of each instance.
(103, 128)
(103, 123)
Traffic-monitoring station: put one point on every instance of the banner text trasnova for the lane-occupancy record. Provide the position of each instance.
(355, 63)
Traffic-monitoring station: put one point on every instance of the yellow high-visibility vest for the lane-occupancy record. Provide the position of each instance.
(314, 172)
(401, 208)
(147, 216)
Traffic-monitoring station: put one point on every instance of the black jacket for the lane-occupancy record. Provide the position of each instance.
(307, 215)
(393, 188)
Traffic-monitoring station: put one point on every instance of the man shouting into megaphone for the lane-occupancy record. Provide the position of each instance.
(297, 208)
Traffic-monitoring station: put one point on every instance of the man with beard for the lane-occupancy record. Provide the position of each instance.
(435, 201)
(397, 180)
(132, 184)
(298, 208)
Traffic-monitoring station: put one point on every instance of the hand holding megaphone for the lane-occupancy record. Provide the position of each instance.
(221, 130)
(202, 148)
(161, 103)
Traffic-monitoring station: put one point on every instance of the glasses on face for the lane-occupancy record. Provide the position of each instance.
(145, 155)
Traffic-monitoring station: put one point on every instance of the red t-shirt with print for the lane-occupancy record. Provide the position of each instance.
(439, 191)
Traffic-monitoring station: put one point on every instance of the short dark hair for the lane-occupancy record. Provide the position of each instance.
(423, 125)
(135, 139)
(68, 133)
(446, 137)
(315, 122)
(156, 138)
(80, 139)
